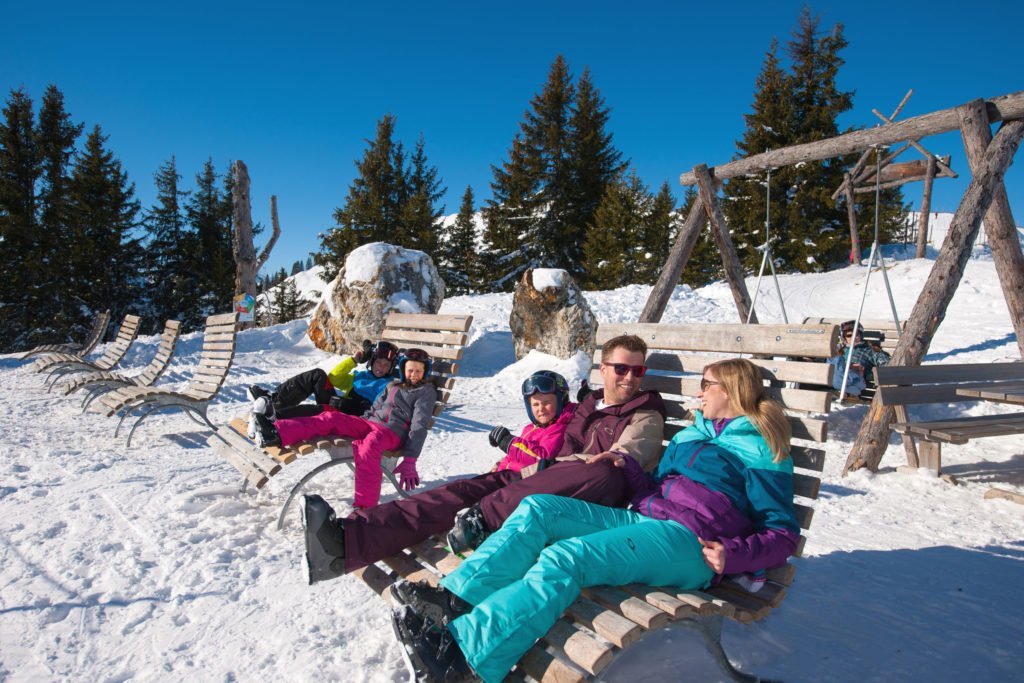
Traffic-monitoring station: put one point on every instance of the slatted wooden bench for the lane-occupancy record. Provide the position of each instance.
(95, 336)
(218, 353)
(884, 333)
(921, 385)
(60, 365)
(442, 336)
(101, 381)
(605, 621)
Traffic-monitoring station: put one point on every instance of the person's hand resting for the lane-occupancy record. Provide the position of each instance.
(408, 477)
(615, 458)
(714, 555)
(363, 354)
(500, 438)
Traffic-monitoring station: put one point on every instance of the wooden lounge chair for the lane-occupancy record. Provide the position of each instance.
(207, 379)
(442, 336)
(60, 365)
(95, 336)
(605, 621)
(102, 381)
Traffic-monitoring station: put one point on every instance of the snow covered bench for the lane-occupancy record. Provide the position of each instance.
(605, 620)
(442, 336)
(900, 387)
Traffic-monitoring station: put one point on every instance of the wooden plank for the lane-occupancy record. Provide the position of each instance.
(420, 321)
(808, 458)
(954, 372)
(816, 341)
(805, 485)
(629, 606)
(249, 472)
(415, 337)
(583, 649)
(406, 567)
(1012, 496)
(604, 622)
(782, 575)
(221, 318)
(805, 372)
(675, 608)
(803, 513)
(546, 668)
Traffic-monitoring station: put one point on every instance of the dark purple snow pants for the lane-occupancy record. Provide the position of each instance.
(383, 530)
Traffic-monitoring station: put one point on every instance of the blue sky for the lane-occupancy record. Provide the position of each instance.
(295, 89)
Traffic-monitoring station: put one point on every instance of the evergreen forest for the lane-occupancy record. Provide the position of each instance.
(75, 241)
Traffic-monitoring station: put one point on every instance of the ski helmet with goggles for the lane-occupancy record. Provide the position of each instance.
(418, 355)
(546, 382)
(847, 327)
(385, 350)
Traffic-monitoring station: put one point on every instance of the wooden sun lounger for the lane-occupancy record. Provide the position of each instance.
(442, 336)
(95, 336)
(605, 621)
(60, 365)
(207, 380)
(102, 381)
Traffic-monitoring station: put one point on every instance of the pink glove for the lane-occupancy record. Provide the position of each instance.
(408, 478)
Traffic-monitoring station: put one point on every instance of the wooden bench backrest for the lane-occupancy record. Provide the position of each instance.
(884, 332)
(119, 347)
(677, 355)
(96, 334)
(217, 356)
(164, 352)
(912, 385)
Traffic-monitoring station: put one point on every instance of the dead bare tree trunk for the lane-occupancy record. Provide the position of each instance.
(247, 263)
(942, 282)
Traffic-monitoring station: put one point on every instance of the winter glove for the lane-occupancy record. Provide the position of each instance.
(584, 391)
(500, 438)
(363, 354)
(336, 402)
(408, 478)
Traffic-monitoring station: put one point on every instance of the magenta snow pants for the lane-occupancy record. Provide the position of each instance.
(369, 441)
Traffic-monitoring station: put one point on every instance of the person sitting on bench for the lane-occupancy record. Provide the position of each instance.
(351, 387)
(720, 503)
(398, 419)
(618, 418)
(865, 359)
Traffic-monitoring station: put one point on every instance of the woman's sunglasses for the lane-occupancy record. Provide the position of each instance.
(705, 383)
(621, 369)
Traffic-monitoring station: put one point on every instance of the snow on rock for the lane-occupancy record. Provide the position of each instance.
(550, 314)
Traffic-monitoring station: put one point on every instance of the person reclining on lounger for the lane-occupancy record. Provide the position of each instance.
(398, 419)
(721, 503)
(351, 387)
(865, 359)
(618, 418)
(365, 536)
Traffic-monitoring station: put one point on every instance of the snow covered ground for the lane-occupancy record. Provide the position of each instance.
(149, 564)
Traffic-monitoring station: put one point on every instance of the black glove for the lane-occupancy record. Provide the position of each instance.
(584, 391)
(336, 402)
(363, 354)
(500, 438)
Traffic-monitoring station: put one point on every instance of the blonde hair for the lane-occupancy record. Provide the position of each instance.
(742, 381)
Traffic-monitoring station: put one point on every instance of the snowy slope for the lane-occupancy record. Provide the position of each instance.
(149, 564)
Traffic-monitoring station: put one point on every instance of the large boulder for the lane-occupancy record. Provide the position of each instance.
(549, 314)
(377, 278)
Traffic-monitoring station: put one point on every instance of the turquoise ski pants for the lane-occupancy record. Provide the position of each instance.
(520, 585)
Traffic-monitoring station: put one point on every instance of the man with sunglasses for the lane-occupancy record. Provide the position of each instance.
(619, 418)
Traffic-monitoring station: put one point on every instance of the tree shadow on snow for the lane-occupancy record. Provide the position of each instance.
(487, 355)
(987, 345)
(1007, 472)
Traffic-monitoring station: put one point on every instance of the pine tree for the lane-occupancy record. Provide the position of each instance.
(705, 262)
(212, 258)
(103, 213)
(372, 208)
(546, 193)
(459, 262)
(20, 250)
(287, 302)
(419, 217)
(60, 299)
(658, 230)
(616, 244)
(169, 248)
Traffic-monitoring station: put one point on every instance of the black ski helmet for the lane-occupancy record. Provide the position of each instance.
(418, 355)
(385, 350)
(545, 382)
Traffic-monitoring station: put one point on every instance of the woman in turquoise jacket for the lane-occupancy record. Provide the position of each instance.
(721, 502)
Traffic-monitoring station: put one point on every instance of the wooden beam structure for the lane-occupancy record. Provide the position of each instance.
(938, 290)
(1007, 107)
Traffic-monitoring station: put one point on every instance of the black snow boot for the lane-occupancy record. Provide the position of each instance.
(469, 531)
(325, 540)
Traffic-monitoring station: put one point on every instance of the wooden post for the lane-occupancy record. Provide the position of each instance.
(943, 279)
(851, 213)
(999, 223)
(733, 270)
(926, 207)
(673, 268)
